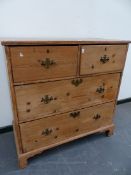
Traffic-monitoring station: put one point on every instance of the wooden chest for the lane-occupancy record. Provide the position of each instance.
(62, 90)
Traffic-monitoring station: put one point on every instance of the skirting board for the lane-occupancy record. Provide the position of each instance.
(126, 100)
(10, 127)
(6, 129)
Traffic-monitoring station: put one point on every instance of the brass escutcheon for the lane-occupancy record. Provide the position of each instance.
(47, 131)
(100, 89)
(76, 82)
(47, 63)
(75, 114)
(97, 116)
(104, 59)
(47, 99)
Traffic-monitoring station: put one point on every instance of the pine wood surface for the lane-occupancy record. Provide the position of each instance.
(22, 42)
(66, 96)
(60, 102)
(93, 55)
(27, 62)
(64, 126)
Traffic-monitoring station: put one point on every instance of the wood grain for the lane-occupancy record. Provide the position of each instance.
(66, 42)
(66, 96)
(91, 58)
(26, 62)
(13, 100)
(25, 156)
(72, 111)
(64, 126)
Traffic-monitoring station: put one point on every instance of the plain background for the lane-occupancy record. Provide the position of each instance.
(62, 20)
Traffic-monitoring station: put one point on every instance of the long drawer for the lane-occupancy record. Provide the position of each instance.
(45, 99)
(50, 130)
(102, 58)
(31, 63)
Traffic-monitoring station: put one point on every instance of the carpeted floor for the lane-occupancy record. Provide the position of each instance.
(91, 155)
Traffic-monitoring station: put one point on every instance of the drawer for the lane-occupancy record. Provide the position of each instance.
(102, 58)
(31, 63)
(45, 99)
(52, 130)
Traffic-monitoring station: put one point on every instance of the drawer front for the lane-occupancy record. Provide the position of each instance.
(51, 130)
(45, 99)
(32, 63)
(102, 58)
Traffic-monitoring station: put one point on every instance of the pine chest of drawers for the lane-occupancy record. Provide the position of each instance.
(62, 90)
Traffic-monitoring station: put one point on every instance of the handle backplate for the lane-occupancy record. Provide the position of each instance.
(100, 89)
(97, 116)
(104, 59)
(47, 99)
(47, 131)
(47, 63)
(75, 114)
(77, 82)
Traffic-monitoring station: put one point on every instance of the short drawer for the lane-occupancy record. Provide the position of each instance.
(46, 99)
(31, 63)
(102, 58)
(52, 130)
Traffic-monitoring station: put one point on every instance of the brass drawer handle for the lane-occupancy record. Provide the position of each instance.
(100, 89)
(76, 82)
(97, 116)
(47, 63)
(104, 59)
(75, 114)
(47, 99)
(47, 131)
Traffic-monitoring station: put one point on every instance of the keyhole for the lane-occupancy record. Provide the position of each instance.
(92, 66)
(67, 93)
(47, 51)
(28, 110)
(77, 130)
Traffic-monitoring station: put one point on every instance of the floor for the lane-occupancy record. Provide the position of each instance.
(92, 155)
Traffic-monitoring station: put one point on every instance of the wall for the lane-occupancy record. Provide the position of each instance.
(67, 19)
